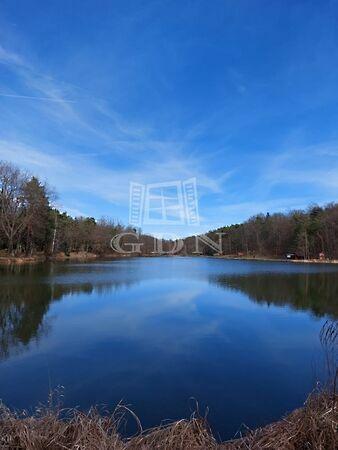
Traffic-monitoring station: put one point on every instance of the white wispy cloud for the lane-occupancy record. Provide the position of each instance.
(74, 173)
(8, 57)
(29, 157)
(253, 207)
(86, 117)
(148, 159)
(31, 97)
(315, 165)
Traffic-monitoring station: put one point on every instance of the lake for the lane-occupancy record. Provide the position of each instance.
(241, 337)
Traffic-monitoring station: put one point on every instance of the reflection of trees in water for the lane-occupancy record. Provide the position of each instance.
(25, 299)
(315, 292)
(22, 309)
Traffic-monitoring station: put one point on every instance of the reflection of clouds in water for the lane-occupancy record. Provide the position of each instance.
(182, 297)
(169, 321)
(150, 299)
(156, 336)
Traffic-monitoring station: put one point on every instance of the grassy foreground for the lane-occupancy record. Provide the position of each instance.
(314, 426)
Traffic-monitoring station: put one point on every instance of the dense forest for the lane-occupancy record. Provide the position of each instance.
(307, 234)
(29, 224)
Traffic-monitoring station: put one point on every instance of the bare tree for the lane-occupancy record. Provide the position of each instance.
(12, 214)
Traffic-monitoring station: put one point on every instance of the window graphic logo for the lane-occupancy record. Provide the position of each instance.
(173, 203)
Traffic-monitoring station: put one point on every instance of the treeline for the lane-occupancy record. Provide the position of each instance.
(308, 234)
(30, 224)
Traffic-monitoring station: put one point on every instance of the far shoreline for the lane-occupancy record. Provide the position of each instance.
(89, 256)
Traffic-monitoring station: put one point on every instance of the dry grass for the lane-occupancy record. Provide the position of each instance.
(312, 427)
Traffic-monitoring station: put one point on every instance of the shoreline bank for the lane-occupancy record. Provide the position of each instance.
(312, 426)
(34, 259)
(59, 257)
(262, 258)
(89, 256)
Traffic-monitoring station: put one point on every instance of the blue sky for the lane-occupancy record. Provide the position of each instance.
(241, 95)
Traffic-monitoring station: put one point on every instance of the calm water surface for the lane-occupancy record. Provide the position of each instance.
(241, 337)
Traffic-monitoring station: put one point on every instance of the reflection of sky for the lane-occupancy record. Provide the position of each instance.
(169, 333)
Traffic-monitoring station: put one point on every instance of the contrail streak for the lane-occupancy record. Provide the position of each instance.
(51, 99)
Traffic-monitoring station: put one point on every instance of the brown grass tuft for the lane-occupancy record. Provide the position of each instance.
(313, 427)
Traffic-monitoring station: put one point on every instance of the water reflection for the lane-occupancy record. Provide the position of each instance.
(314, 292)
(26, 293)
(157, 331)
